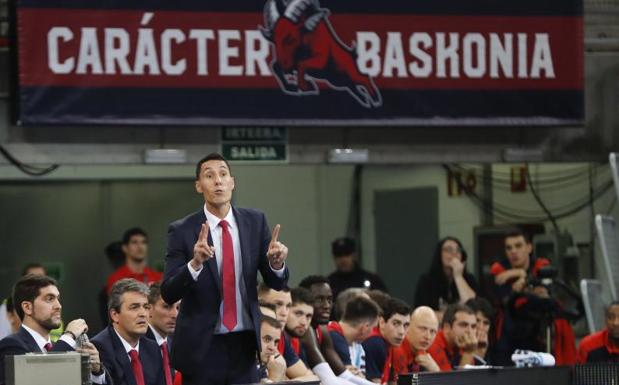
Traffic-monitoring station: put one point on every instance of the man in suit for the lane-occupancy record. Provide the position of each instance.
(212, 261)
(37, 304)
(161, 324)
(129, 357)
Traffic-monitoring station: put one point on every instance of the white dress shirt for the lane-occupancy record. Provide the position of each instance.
(40, 340)
(127, 345)
(243, 317)
(158, 337)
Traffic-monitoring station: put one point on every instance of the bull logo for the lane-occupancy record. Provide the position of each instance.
(307, 49)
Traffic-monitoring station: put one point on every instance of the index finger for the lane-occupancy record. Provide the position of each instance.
(204, 232)
(275, 234)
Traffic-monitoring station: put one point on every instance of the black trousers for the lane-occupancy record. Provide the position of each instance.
(231, 359)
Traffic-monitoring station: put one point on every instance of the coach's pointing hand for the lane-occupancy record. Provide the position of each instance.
(277, 251)
(201, 250)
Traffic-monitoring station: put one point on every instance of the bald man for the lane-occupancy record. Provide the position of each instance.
(412, 355)
(421, 333)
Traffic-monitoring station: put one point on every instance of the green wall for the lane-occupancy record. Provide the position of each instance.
(67, 223)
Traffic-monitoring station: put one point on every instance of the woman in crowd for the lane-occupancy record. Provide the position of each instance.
(447, 281)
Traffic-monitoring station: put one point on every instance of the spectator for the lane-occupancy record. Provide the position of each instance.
(6, 327)
(12, 315)
(527, 309)
(447, 281)
(115, 255)
(135, 248)
(485, 327)
(602, 346)
(348, 273)
(130, 357)
(33, 268)
(379, 347)
(456, 343)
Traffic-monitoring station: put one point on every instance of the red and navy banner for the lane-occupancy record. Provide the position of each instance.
(301, 62)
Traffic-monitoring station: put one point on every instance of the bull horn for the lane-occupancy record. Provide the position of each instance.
(297, 8)
(312, 21)
(271, 14)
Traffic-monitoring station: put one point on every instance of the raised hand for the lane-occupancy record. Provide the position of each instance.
(202, 251)
(76, 327)
(457, 267)
(467, 342)
(482, 338)
(93, 353)
(482, 342)
(277, 252)
(425, 359)
(276, 366)
(510, 275)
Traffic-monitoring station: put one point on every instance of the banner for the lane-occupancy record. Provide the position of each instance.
(301, 62)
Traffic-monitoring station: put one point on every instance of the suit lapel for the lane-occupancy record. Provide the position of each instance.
(211, 264)
(150, 371)
(122, 358)
(244, 234)
(29, 341)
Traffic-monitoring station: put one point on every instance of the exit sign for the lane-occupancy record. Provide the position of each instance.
(255, 144)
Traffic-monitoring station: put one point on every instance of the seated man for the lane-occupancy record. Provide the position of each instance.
(359, 318)
(379, 347)
(484, 312)
(295, 368)
(303, 339)
(130, 357)
(455, 344)
(272, 365)
(37, 304)
(161, 325)
(323, 305)
(414, 349)
(602, 346)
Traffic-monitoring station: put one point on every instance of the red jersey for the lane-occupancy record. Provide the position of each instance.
(404, 359)
(148, 276)
(445, 356)
(597, 347)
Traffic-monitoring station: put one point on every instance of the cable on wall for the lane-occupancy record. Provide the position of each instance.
(26, 168)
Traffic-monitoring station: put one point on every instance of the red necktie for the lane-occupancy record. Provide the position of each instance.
(166, 363)
(48, 346)
(136, 365)
(228, 277)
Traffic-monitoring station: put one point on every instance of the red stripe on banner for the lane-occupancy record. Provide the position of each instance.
(86, 48)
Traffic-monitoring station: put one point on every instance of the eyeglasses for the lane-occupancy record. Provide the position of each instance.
(452, 250)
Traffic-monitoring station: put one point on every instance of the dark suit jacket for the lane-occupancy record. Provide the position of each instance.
(151, 336)
(199, 311)
(117, 364)
(21, 343)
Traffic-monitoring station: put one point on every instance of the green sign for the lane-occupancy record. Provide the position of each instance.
(255, 144)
